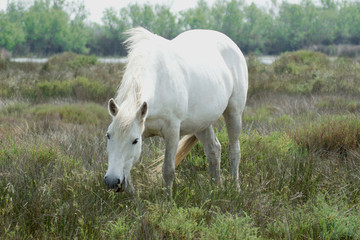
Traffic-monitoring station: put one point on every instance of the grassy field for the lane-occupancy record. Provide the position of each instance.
(300, 168)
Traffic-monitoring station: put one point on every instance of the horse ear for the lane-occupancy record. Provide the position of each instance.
(113, 107)
(142, 112)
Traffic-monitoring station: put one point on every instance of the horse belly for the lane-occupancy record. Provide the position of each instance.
(207, 101)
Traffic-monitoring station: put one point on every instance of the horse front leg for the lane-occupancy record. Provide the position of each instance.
(171, 135)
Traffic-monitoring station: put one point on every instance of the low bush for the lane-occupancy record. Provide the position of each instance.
(300, 62)
(68, 59)
(226, 226)
(79, 88)
(44, 193)
(89, 113)
(173, 222)
(85, 113)
(176, 222)
(304, 72)
(30, 174)
(339, 134)
(318, 219)
(83, 61)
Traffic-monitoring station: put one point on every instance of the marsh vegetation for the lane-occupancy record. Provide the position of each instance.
(300, 168)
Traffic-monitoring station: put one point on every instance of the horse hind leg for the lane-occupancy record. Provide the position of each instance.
(212, 150)
(232, 118)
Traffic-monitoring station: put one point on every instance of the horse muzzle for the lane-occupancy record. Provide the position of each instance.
(115, 183)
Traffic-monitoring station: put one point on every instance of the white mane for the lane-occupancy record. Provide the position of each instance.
(128, 95)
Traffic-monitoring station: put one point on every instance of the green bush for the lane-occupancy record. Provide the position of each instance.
(300, 62)
(177, 222)
(173, 222)
(14, 108)
(300, 72)
(318, 219)
(120, 229)
(45, 193)
(262, 149)
(338, 134)
(83, 61)
(29, 187)
(89, 113)
(304, 72)
(79, 88)
(226, 226)
(60, 61)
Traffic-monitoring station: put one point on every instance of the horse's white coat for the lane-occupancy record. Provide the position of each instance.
(187, 83)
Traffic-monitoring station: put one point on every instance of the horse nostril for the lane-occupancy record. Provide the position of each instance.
(118, 181)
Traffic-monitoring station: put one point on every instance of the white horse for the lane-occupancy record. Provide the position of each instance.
(173, 88)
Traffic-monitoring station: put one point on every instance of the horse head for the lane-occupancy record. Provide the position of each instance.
(124, 145)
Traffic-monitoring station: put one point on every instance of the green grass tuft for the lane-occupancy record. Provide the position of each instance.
(339, 134)
(319, 219)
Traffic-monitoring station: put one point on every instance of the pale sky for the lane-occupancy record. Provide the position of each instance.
(96, 7)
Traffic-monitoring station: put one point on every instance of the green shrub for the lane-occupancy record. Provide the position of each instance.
(259, 148)
(120, 229)
(45, 193)
(14, 108)
(259, 75)
(336, 134)
(177, 222)
(89, 113)
(318, 219)
(27, 191)
(83, 61)
(226, 226)
(60, 61)
(304, 72)
(300, 62)
(79, 88)
(69, 59)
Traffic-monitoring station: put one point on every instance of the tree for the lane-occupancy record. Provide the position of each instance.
(112, 36)
(166, 23)
(46, 28)
(291, 28)
(79, 32)
(257, 29)
(142, 16)
(198, 17)
(348, 24)
(233, 25)
(11, 33)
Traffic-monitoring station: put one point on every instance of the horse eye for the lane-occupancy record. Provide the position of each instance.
(135, 141)
(108, 136)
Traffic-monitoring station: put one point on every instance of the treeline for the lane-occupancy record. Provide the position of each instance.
(53, 26)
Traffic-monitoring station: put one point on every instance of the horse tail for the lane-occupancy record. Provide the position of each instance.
(184, 147)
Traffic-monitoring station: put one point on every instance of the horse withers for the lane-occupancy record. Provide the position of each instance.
(174, 88)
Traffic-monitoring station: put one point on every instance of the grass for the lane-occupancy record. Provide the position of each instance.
(299, 170)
